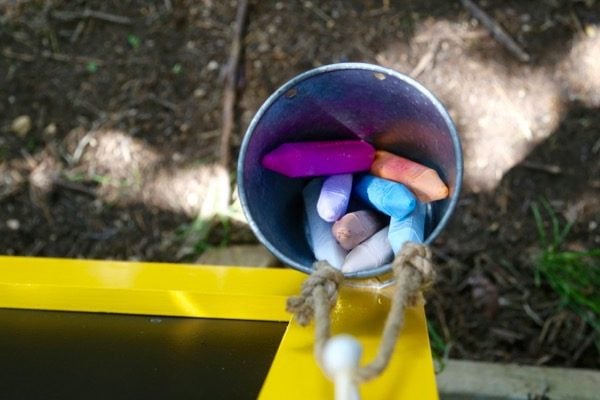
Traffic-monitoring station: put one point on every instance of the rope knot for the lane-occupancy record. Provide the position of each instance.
(418, 258)
(413, 270)
(324, 278)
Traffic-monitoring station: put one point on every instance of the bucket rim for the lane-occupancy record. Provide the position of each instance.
(443, 112)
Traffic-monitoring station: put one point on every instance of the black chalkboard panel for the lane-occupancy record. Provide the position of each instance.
(65, 355)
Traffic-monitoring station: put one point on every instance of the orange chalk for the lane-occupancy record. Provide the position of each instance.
(424, 182)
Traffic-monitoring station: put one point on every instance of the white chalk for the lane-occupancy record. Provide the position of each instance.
(318, 232)
(341, 357)
(372, 253)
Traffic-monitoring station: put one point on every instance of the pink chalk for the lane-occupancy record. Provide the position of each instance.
(355, 227)
(304, 159)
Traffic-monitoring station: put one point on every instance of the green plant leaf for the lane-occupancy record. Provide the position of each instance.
(91, 67)
(177, 68)
(134, 41)
(573, 275)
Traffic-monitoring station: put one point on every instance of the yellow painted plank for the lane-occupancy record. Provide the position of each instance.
(295, 375)
(144, 275)
(147, 288)
(232, 293)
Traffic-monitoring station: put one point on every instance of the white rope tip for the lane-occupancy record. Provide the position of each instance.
(341, 353)
(341, 357)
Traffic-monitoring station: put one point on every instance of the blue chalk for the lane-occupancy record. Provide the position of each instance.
(391, 198)
(409, 229)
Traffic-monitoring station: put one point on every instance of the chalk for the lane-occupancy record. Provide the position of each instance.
(305, 159)
(355, 227)
(334, 197)
(372, 253)
(423, 181)
(409, 229)
(319, 235)
(391, 198)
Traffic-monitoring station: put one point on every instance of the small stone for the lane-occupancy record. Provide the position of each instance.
(185, 127)
(494, 226)
(212, 65)
(50, 130)
(21, 125)
(199, 93)
(177, 157)
(590, 31)
(13, 224)
(263, 47)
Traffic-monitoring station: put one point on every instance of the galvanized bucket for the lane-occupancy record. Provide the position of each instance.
(342, 101)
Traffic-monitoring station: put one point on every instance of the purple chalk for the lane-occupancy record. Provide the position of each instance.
(304, 159)
(334, 197)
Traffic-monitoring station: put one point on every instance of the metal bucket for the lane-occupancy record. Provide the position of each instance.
(342, 101)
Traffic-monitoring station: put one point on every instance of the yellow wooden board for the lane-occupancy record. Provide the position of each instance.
(147, 288)
(362, 314)
(230, 293)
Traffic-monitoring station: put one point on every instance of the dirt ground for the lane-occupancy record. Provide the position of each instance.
(110, 124)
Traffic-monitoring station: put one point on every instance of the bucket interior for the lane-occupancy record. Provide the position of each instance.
(343, 101)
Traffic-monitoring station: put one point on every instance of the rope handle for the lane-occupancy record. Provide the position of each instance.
(413, 271)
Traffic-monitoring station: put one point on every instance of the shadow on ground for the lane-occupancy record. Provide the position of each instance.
(487, 254)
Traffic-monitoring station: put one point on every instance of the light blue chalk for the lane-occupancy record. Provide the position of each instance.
(409, 229)
(318, 231)
(334, 197)
(391, 198)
